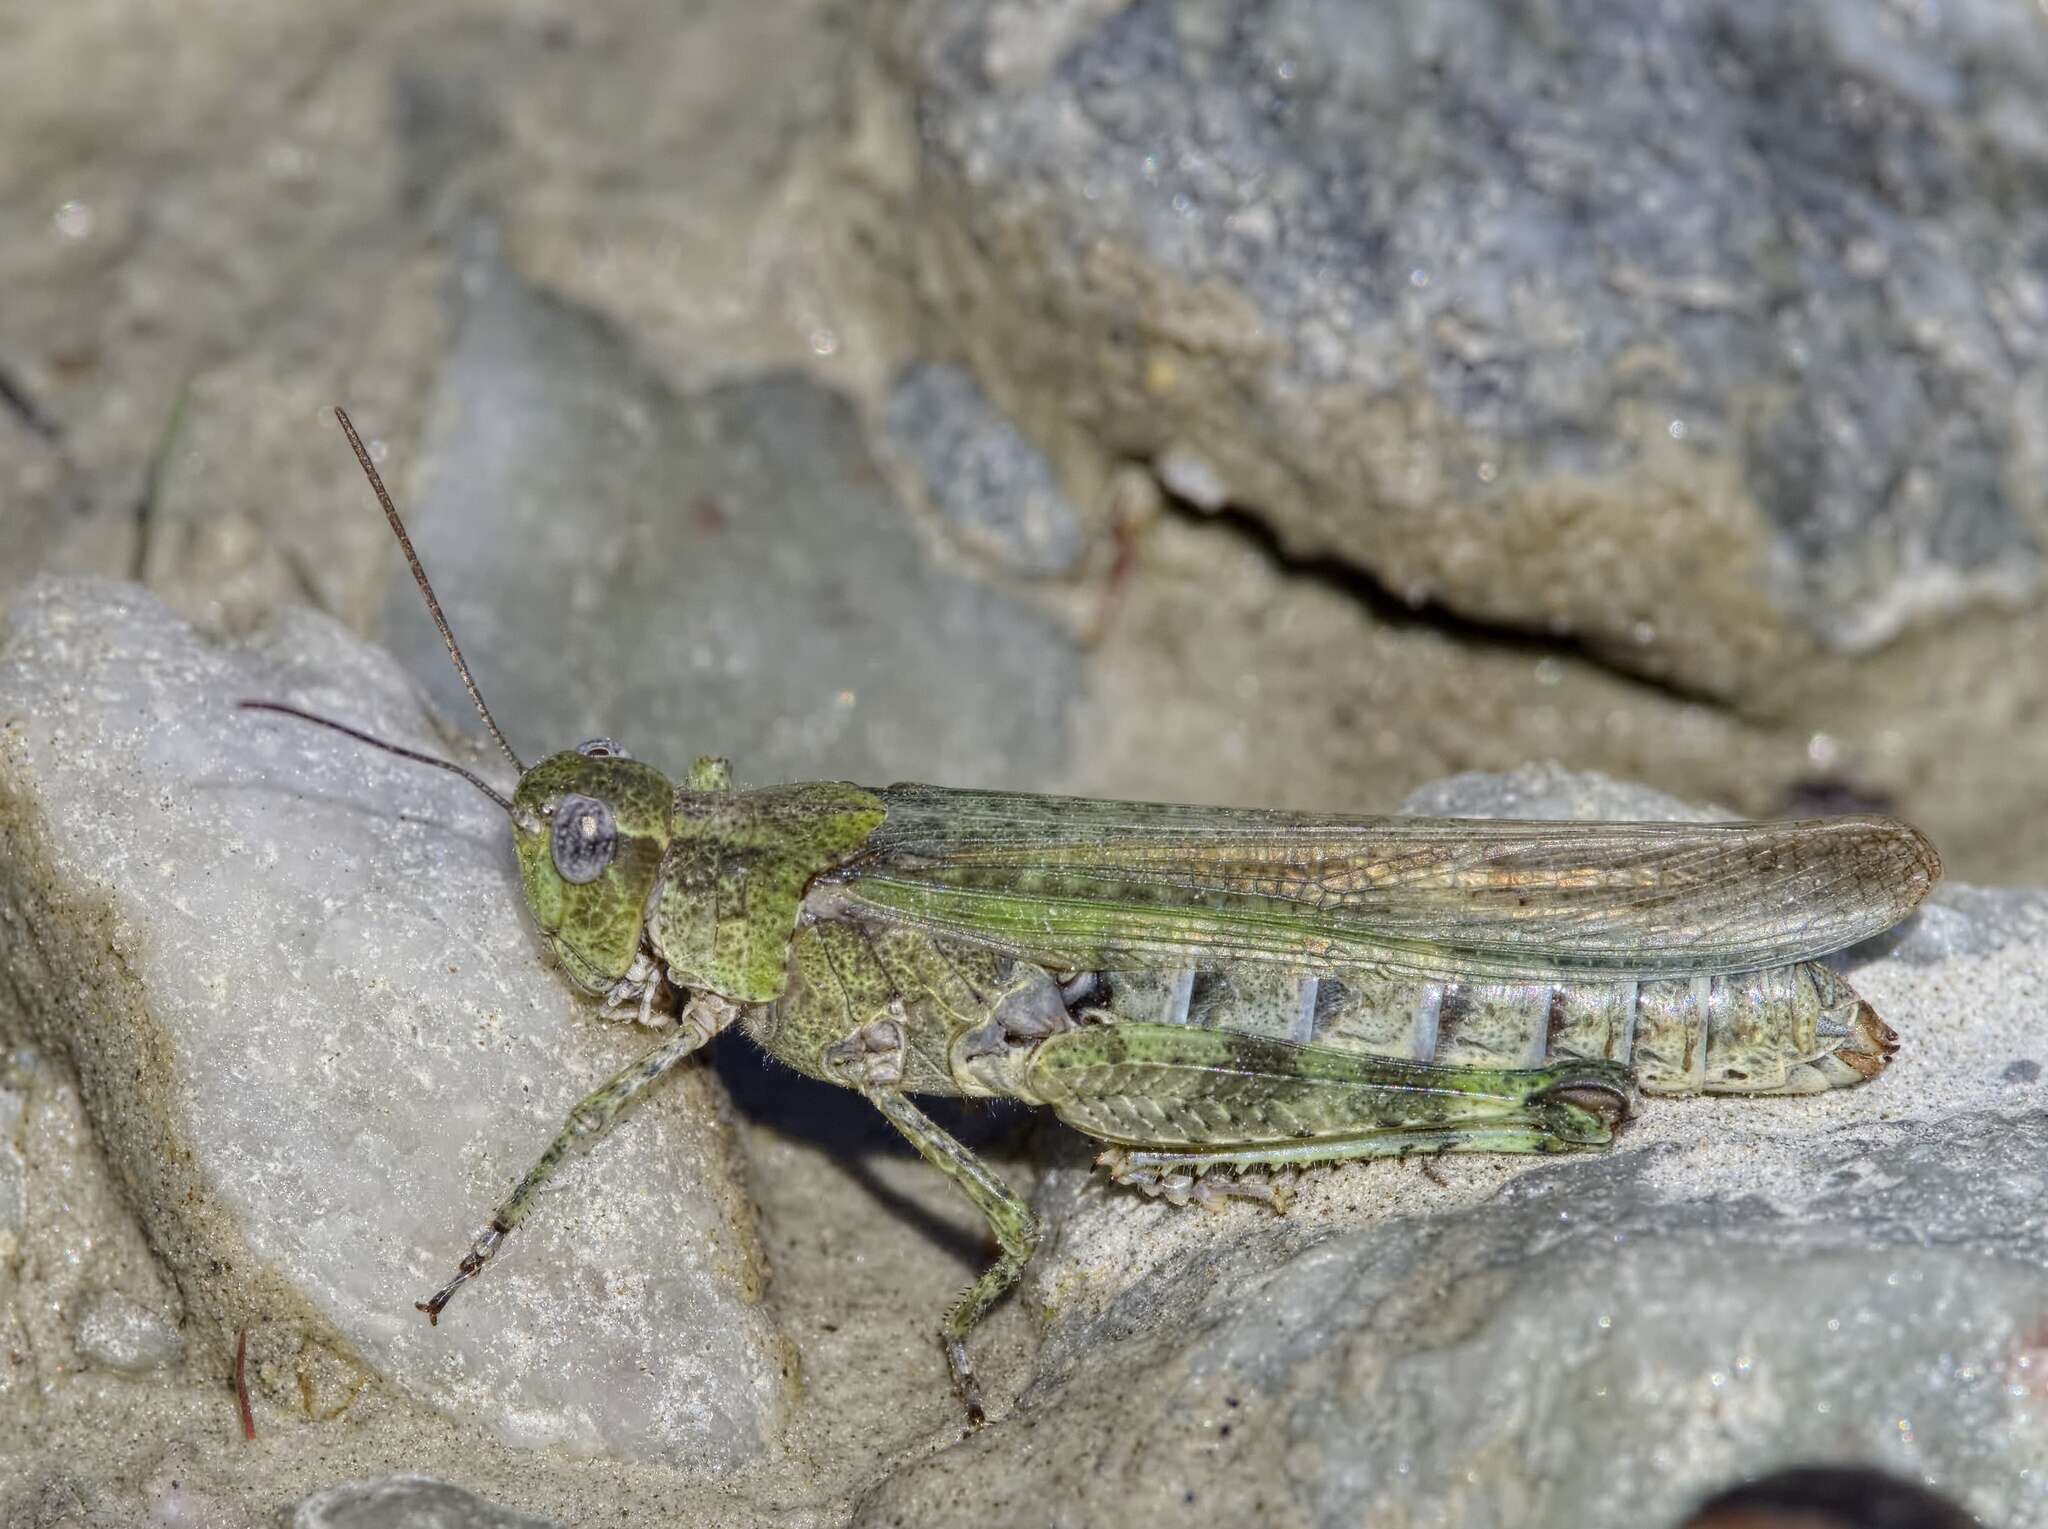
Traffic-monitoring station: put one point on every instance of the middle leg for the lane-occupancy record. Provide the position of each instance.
(1009, 1220)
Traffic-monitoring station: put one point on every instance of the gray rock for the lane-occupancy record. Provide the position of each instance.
(10, 1163)
(725, 574)
(318, 1043)
(1739, 1285)
(1542, 791)
(1695, 331)
(984, 474)
(1187, 475)
(17, 1380)
(406, 1502)
(117, 1332)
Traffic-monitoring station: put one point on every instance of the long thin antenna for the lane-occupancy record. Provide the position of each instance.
(419, 577)
(376, 742)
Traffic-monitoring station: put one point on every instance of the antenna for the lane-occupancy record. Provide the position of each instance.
(375, 742)
(419, 577)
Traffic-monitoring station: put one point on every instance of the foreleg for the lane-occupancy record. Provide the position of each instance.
(587, 1125)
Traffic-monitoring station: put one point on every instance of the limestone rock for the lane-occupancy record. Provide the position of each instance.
(721, 573)
(318, 1042)
(1694, 332)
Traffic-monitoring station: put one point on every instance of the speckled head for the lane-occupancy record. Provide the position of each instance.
(590, 827)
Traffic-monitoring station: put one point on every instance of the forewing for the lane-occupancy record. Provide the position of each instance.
(1077, 884)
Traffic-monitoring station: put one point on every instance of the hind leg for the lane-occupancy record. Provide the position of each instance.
(1178, 1103)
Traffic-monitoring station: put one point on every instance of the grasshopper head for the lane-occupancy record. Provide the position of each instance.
(589, 827)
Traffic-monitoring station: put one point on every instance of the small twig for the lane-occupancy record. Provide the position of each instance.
(242, 1382)
(1129, 517)
(15, 396)
(153, 484)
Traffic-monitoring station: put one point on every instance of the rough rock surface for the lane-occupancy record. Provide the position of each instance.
(406, 1502)
(1740, 1284)
(121, 1333)
(988, 479)
(1694, 331)
(722, 573)
(317, 1043)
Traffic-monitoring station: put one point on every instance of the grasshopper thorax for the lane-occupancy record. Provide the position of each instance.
(590, 827)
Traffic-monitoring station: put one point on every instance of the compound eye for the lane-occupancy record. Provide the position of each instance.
(601, 748)
(583, 840)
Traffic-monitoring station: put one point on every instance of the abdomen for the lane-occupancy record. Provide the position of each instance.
(1785, 1030)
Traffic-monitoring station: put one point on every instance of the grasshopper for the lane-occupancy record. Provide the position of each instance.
(1197, 988)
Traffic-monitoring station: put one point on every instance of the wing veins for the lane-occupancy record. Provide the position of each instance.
(1507, 898)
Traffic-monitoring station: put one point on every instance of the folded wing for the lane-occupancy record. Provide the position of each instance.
(1078, 884)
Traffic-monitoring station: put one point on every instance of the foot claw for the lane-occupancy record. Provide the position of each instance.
(965, 1383)
(487, 1243)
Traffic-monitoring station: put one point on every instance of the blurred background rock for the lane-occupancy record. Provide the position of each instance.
(1234, 402)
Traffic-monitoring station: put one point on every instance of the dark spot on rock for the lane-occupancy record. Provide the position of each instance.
(1849, 1495)
(2026, 1070)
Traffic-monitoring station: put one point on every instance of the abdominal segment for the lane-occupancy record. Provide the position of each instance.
(1785, 1030)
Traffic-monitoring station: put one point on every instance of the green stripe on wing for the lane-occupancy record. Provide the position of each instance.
(1080, 884)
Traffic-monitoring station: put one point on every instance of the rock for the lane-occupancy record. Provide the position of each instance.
(11, 1174)
(276, 253)
(1187, 475)
(1705, 334)
(317, 1043)
(15, 1378)
(1228, 678)
(726, 573)
(406, 1502)
(985, 476)
(1545, 791)
(119, 1333)
(82, 1298)
(1738, 1285)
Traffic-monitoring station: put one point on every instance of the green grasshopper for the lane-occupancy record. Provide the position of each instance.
(1198, 988)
